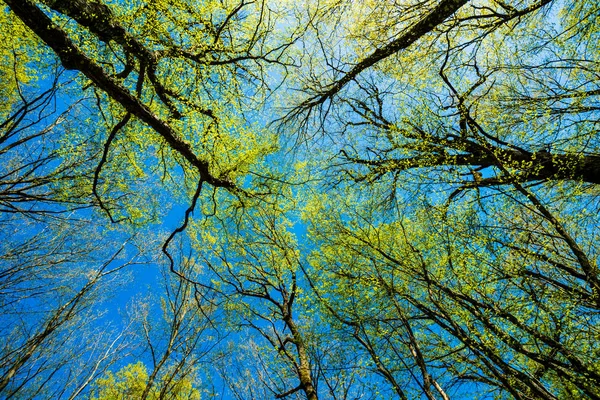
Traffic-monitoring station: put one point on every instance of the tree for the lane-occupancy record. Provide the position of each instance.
(221, 45)
(53, 277)
(442, 156)
(253, 260)
(467, 163)
(53, 285)
(482, 103)
(503, 313)
(177, 342)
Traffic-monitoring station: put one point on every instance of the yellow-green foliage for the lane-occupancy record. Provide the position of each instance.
(130, 383)
(17, 57)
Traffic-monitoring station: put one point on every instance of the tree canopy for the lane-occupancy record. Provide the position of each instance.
(321, 200)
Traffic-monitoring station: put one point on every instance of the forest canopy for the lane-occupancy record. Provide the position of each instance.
(299, 200)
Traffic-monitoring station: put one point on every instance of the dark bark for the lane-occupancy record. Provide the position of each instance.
(536, 166)
(304, 375)
(94, 15)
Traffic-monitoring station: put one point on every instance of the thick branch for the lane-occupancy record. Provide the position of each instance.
(531, 166)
